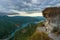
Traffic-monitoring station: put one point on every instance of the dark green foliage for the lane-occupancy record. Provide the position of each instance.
(29, 30)
(9, 24)
(6, 28)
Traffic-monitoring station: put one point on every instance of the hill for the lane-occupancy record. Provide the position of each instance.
(30, 33)
(8, 25)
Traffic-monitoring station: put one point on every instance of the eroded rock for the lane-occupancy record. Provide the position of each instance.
(52, 15)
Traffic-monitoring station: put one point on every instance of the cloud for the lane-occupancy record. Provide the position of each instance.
(26, 5)
(22, 13)
(26, 14)
(34, 1)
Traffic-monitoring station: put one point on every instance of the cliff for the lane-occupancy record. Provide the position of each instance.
(51, 12)
(52, 15)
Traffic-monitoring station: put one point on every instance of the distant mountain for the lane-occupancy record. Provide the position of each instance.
(21, 19)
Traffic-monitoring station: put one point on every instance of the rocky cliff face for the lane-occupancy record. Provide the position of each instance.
(52, 15)
(51, 11)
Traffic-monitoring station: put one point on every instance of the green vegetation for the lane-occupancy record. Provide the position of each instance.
(6, 28)
(29, 33)
(25, 33)
(40, 24)
(39, 36)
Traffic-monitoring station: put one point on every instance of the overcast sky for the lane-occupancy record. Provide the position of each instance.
(30, 6)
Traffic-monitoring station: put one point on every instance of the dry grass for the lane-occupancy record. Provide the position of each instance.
(39, 36)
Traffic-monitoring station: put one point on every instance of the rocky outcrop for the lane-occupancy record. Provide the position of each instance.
(51, 12)
(52, 15)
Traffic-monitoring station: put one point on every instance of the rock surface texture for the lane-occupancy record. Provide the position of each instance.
(52, 15)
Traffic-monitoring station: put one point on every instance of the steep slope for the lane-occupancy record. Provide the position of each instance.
(39, 36)
(25, 33)
(52, 15)
(31, 33)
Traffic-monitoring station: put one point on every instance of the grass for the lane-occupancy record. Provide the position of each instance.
(39, 36)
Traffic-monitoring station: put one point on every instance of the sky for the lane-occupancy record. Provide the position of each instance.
(26, 7)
